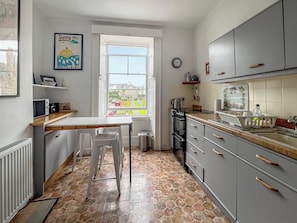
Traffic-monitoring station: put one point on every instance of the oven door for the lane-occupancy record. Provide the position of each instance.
(180, 125)
(179, 148)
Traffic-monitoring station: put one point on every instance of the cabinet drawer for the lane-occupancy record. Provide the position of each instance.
(195, 126)
(223, 139)
(257, 203)
(195, 139)
(273, 163)
(196, 152)
(195, 167)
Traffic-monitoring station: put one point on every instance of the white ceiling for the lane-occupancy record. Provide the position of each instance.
(180, 13)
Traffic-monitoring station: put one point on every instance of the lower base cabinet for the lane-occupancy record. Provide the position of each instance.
(58, 147)
(248, 188)
(220, 176)
(263, 199)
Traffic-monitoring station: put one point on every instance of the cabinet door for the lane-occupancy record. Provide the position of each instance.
(257, 203)
(220, 175)
(221, 57)
(290, 18)
(58, 147)
(259, 43)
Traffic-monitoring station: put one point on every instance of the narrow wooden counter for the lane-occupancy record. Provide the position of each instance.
(273, 145)
(42, 121)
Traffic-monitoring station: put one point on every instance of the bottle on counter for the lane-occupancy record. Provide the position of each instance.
(257, 111)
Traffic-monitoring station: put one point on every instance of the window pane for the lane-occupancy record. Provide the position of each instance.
(127, 98)
(118, 81)
(137, 65)
(127, 50)
(126, 112)
(118, 64)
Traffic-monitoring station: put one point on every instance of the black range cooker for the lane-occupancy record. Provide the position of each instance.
(179, 133)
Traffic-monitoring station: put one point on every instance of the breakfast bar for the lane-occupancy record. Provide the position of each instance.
(64, 121)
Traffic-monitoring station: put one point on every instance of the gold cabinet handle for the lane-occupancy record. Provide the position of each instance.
(256, 65)
(266, 160)
(192, 164)
(217, 136)
(217, 152)
(193, 150)
(266, 185)
(222, 73)
(194, 126)
(194, 137)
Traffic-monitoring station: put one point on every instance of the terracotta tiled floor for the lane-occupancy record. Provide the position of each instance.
(161, 191)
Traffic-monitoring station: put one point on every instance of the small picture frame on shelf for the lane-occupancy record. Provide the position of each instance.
(34, 80)
(48, 80)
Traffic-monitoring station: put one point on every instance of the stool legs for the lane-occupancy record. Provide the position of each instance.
(95, 153)
(116, 160)
(81, 137)
(94, 158)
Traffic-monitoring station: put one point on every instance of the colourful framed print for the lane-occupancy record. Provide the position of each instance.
(68, 51)
(9, 48)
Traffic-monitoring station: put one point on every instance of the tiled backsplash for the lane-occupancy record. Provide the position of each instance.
(276, 95)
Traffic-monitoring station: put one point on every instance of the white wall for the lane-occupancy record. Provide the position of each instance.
(78, 81)
(227, 15)
(176, 42)
(16, 112)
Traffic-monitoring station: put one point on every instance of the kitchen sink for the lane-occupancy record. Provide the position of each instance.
(283, 137)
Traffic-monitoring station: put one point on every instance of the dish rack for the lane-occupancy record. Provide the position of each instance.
(237, 118)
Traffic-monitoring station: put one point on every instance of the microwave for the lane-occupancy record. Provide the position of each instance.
(40, 107)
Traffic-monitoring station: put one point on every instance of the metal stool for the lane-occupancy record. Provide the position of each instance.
(83, 134)
(100, 141)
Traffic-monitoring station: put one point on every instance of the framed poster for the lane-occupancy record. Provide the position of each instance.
(9, 44)
(68, 51)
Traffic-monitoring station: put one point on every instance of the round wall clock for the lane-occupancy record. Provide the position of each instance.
(176, 62)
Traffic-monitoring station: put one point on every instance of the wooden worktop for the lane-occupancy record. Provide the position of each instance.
(43, 121)
(273, 145)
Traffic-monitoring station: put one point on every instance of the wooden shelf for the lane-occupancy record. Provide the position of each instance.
(50, 87)
(191, 82)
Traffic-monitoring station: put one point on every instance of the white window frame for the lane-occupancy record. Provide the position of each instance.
(97, 30)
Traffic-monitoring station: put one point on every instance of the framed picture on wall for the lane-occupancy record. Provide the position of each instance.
(9, 48)
(68, 51)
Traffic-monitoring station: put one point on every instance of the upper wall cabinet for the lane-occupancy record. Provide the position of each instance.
(259, 43)
(290, 18)
(221, 57)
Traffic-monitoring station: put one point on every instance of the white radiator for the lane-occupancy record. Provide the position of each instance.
(16, 176)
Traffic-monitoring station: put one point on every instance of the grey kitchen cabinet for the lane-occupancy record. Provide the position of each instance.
(264, 195)
(222, 57)
(290, 30)
(220, 167)
(272, 163)
(259, 43)
(58, 146)
(195, 148)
